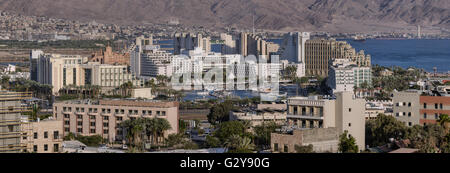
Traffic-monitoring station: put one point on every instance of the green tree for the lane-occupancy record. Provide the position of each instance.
(379, 131)
(229, 128)
(220, 112)
(263, 132)
(212, 142)
(239, 144)
(347, 143)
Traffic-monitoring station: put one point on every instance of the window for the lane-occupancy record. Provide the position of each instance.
(440, 105)
(67, 129)
(119, 118)
(55, 147)
(286, 149)
(56, 135)
(80, 123)
(80, 116)
(424, 105)
(92, 131)
(92, 117)
(409, 104)
(425, 115)
(105, 118)
(45, 135)
(105, 131)
(409, 114)
(92, 123)
(105, 124)
(349, 109)
(66, 122)
(436, 106)
(80, 130)
(35, 148)
(349, 124)
(436, 116)
(35, 135)
(409, 124)
(66, 116)
(45, 147)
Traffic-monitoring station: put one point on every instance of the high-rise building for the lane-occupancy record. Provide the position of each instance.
(11, 131)
(136, 51)
(319, 53)
(34, 56)
(251, 44)
(346, 113)
(189, 41)
(344, 75)
(155, 62)
(293, 50)
(229, 45)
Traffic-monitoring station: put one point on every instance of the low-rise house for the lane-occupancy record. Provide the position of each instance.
(322, 139)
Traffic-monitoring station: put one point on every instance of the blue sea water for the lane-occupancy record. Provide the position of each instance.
(424, 54)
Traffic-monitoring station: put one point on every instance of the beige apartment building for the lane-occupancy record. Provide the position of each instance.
(322, 139)
(406, 107)
(412, 108)
(251, 44)
(345, 113)
(319, 53)
(43, 136)
(11, 110)
(103, 117)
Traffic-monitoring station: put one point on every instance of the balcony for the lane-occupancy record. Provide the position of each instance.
(306, 116)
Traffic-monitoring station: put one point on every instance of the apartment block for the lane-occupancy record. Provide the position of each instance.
(345, 113)
(43, 136)
(345, 74)
(189, 41)
(431, 107)
(11, 110)
(406, 107)
(103, 117)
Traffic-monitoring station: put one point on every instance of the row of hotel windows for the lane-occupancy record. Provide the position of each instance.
(398, 114)
(117, 111)
(55, 147)
(36, 135)
(436, 106)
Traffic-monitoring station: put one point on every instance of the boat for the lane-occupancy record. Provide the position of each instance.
(359, 38)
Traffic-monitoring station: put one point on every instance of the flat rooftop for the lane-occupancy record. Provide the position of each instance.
(124, 102)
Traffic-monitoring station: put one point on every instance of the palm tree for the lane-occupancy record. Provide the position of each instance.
(34, 112)
(162, 126)
(443, 120)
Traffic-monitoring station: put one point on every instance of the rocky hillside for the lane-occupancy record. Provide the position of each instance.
(327, 15)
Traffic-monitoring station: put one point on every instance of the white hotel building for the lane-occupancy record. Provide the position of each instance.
(345, 75)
